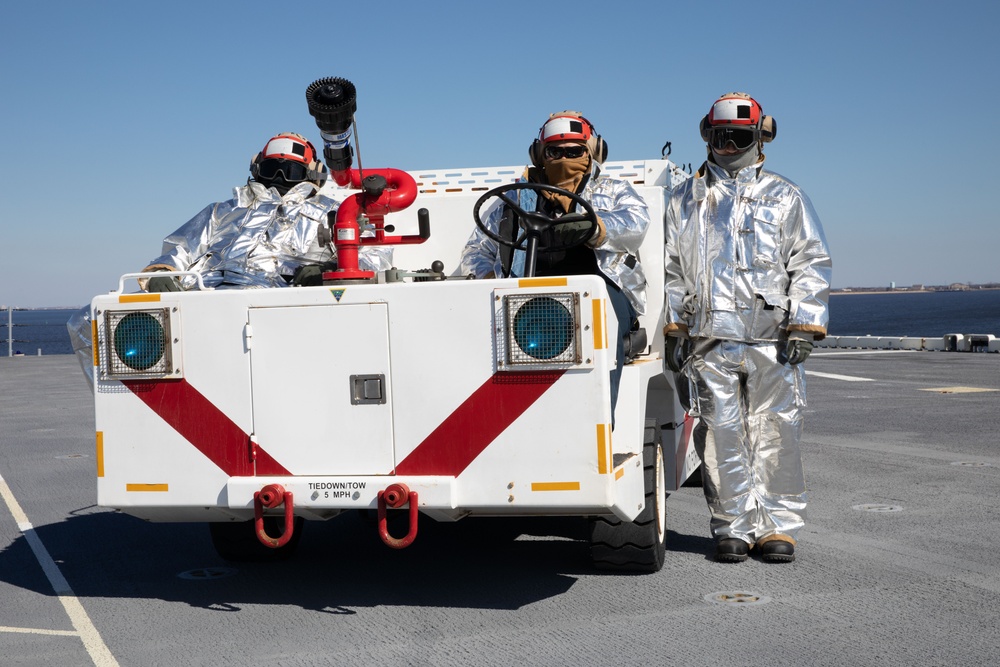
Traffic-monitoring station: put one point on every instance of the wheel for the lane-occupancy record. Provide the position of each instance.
(640, 545)
(237, 540)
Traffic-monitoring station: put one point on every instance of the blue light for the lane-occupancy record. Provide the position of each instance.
(139, 341)
(543, 328)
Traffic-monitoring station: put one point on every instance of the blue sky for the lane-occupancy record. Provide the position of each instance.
(123, 119)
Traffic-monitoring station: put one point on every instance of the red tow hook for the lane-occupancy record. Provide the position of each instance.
(270, 497)
(395, 496)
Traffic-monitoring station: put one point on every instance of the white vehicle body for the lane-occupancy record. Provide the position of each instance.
(338, 391)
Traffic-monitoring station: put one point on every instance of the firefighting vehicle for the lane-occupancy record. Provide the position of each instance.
(415, 392)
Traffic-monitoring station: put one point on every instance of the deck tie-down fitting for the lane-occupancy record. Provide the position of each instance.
(395, 496)
(270, 497)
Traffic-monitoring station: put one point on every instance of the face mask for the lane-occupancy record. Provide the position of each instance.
(566, 174)
(734, 163)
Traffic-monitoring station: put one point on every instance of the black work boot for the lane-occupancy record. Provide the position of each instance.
(777, 551)
(731, 550)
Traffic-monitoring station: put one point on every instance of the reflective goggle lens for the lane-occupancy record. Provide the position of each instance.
(741, 137)
(558, 152)
(291, 171)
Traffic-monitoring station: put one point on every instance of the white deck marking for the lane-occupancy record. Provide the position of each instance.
(85, 629)
(845, 378)
(826, 352)
(40, 631)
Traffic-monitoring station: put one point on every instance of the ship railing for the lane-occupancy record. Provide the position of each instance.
(947, 343)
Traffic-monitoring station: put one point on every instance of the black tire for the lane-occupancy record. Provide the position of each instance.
(640, 545)
(237, 540)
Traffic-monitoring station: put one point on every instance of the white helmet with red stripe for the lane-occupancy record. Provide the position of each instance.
(737, 118)
(568, 126)
(285, 160)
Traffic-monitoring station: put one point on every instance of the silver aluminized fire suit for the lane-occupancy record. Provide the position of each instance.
(625, 218)
(255, 239)
(258, 238)
(746, 263)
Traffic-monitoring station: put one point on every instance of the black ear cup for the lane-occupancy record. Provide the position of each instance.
(535, 153)
(601, 152)
(703, 128)
(253, 164)
(768, 129)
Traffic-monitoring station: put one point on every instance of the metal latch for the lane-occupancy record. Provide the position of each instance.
(367, 389)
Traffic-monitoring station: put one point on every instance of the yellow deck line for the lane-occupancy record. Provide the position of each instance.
(958, 390)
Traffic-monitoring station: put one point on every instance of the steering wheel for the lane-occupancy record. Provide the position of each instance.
(533, 224)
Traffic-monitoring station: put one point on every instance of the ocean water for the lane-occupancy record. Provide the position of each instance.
(917, 314)
(920, 314)
(35, 330)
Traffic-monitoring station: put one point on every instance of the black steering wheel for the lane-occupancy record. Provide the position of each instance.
(534, 224)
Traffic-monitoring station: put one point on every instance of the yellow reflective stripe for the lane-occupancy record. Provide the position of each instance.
(603, 448)
(93, 343)
(542, 282)
(100, 453)
(138, 298)
(600, 324)
(619, 473)
(145, 487)
(555, 486)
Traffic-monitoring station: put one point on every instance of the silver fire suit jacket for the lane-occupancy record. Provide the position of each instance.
(259, 238)
(625, 219)
(746, 258)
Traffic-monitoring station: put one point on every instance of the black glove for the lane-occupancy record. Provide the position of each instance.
(677, 352)
(568, 233)
(311, 275)
(308, 275)
(798, 348)
(162, 284)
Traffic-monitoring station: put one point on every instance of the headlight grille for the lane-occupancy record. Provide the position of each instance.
(137, 343)
(542, 329)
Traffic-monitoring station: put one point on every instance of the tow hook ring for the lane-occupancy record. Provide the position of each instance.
(395, 496)
(272, 496)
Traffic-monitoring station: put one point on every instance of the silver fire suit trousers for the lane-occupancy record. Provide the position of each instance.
(750, 403)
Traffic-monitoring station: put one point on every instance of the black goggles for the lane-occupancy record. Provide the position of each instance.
(572, 152)
(741, 137)
(290, 171)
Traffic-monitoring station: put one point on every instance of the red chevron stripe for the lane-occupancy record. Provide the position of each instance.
(205, 426)
(477, 422)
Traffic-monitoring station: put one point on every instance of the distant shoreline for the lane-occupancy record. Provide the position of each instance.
(908, 291)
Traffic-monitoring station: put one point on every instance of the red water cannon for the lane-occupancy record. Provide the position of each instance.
(382, 191)
(332, 102)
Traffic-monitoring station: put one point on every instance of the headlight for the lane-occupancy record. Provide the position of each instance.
(137, 344)
(542, 329)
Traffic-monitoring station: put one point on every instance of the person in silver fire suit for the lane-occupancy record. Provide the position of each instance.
(266, 235)
(568, 154)
(747, 290)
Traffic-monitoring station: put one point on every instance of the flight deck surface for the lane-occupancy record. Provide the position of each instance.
(899, 562)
